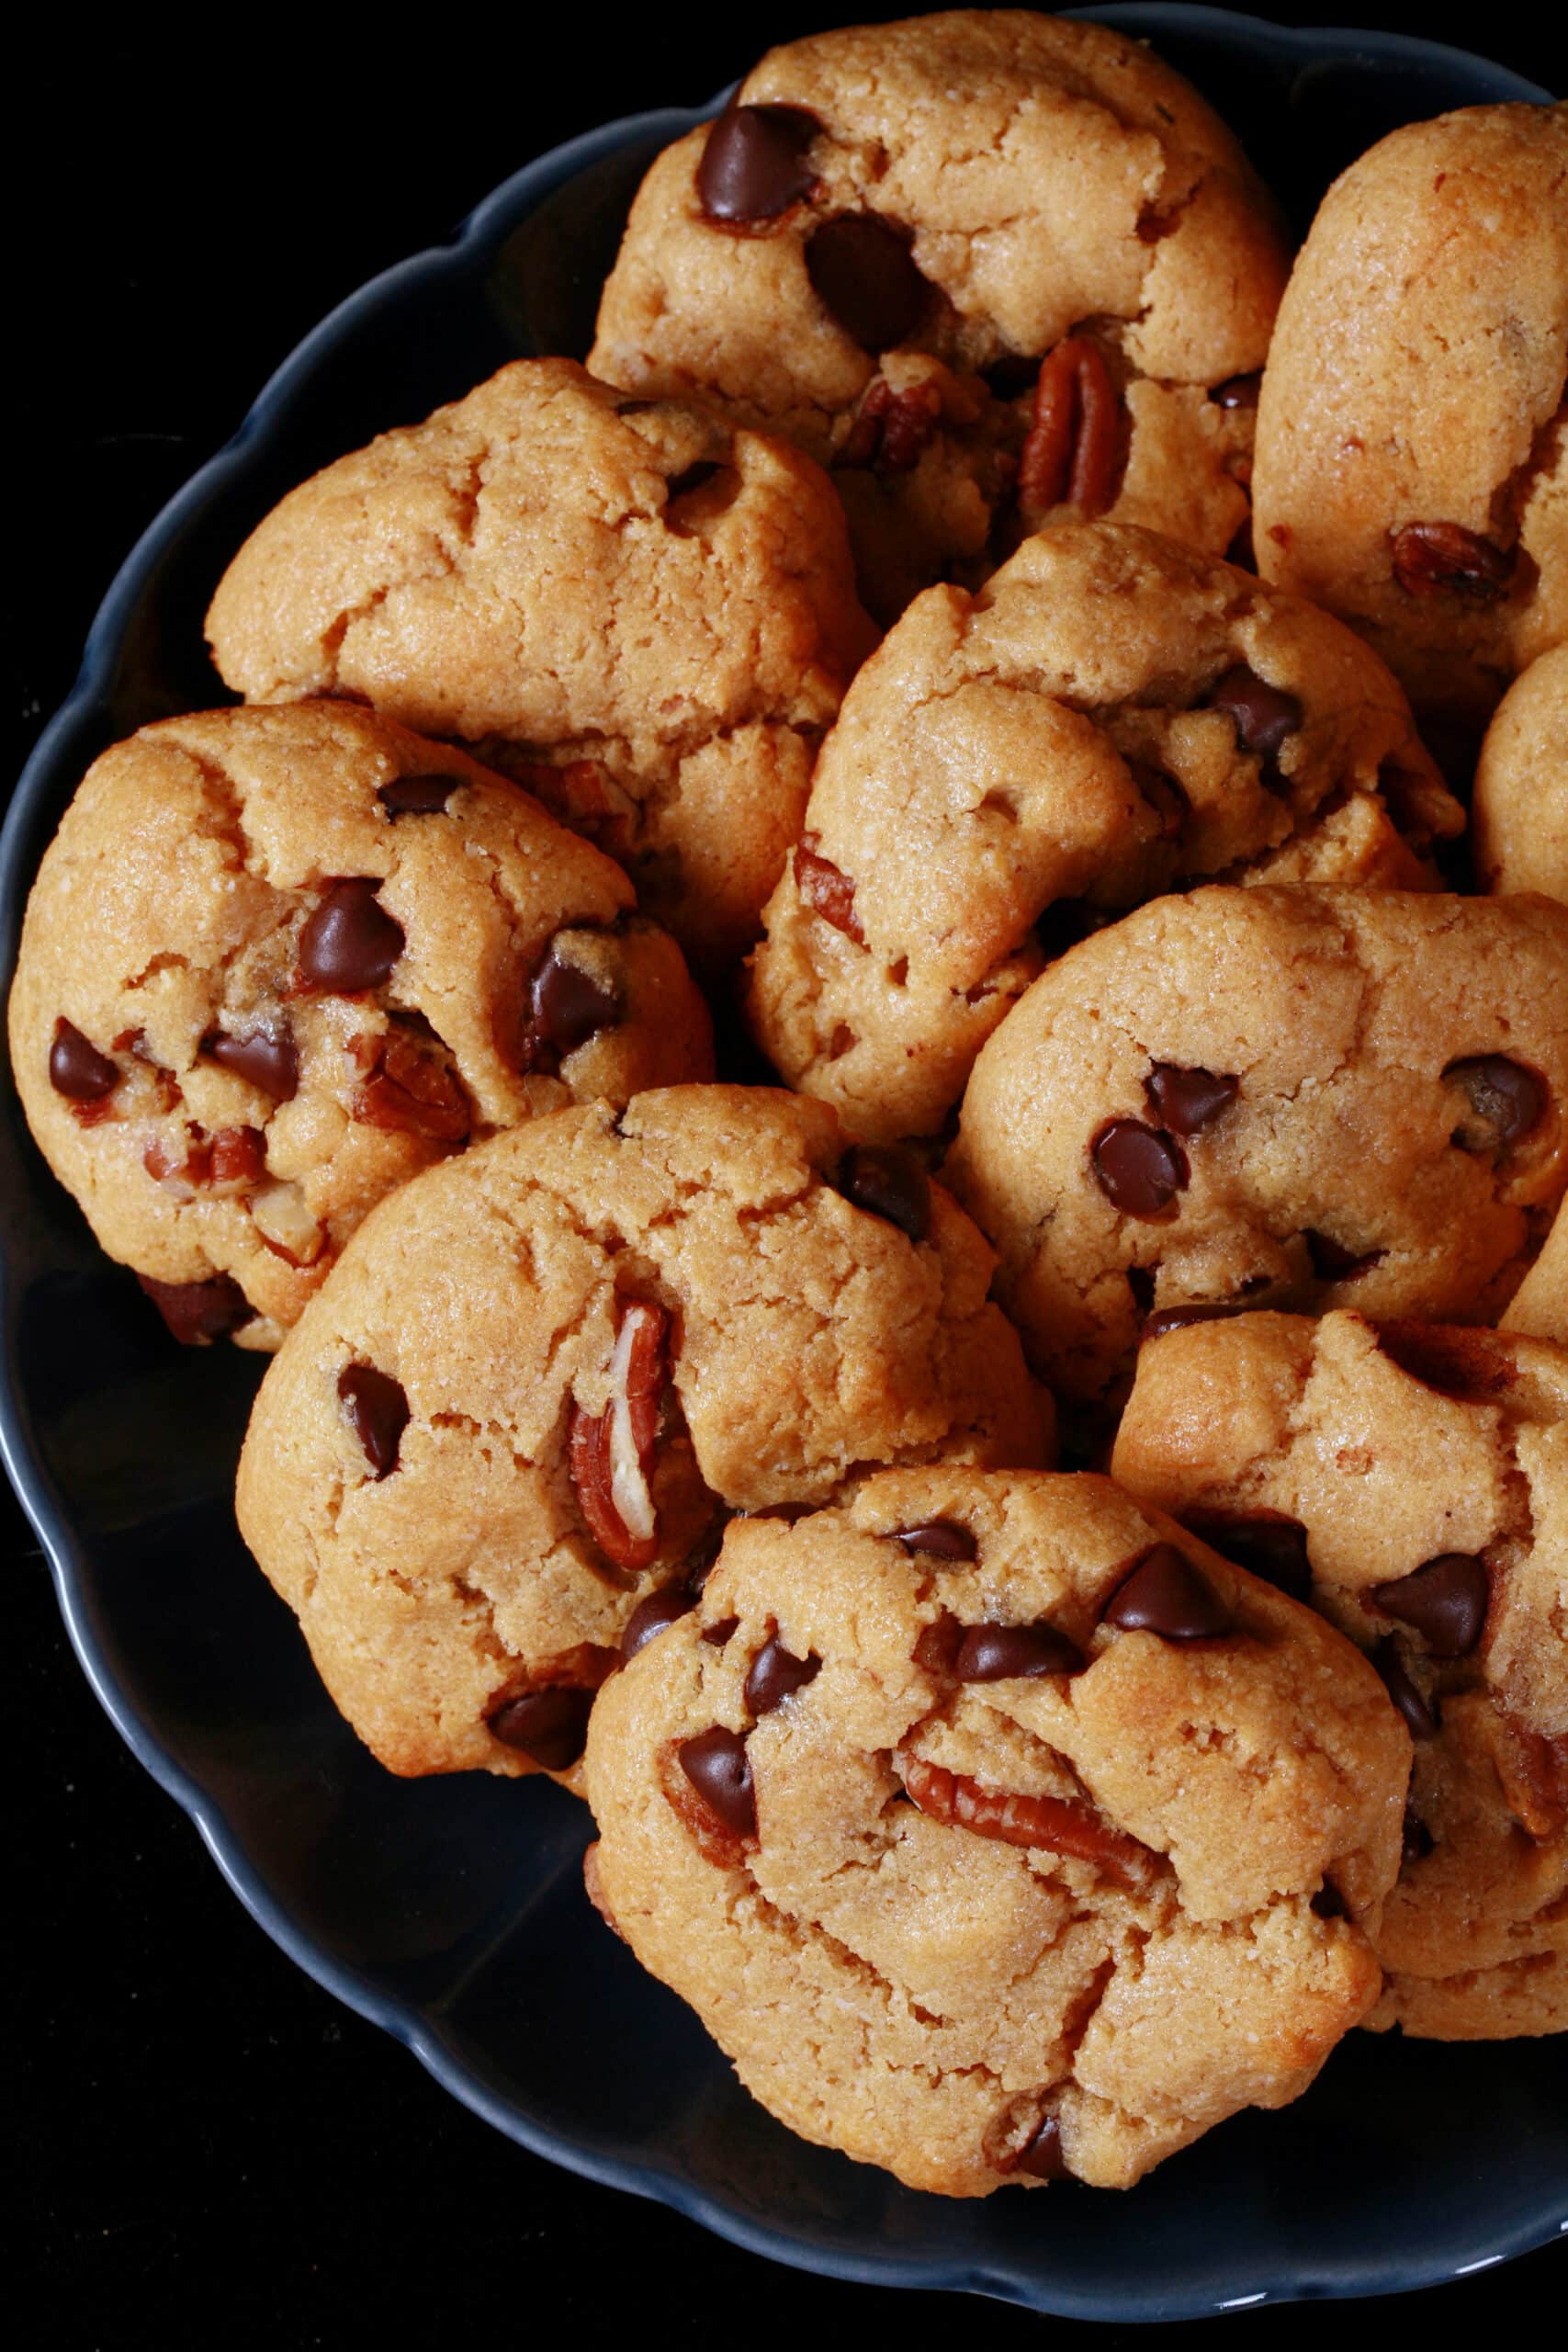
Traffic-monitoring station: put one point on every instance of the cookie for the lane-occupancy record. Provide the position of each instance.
(1411, 472)
(1539, 1306)
(1519, 812)
(993, 268)
(276, 961)
(642, 613)
(512, 1423)
(1109, 717)
(1412, 1480)
(999, 1831)
(1280, 1098)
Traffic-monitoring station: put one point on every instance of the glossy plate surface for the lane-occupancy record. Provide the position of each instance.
(451, 1911)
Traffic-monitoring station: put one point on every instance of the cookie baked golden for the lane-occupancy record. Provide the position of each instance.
(1519, 811)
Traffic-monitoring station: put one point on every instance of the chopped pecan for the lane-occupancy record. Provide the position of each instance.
(1016, 1820)
(611, 1452)
(409, 1090)
(826, 890)
(892, 428)
(1533, 1771)
(286, 1225)
(1431, 557)
(229, 1161)
(1071, 456)
(583, 795)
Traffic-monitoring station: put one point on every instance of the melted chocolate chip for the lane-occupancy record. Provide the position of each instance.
(377, 1409)
(1188, 1100)
(417, 795)
(862, 269)
(1177, 1318)
(1508, 1098)
(77, 1070)
(549, 1726)
(1332, 1262)
(890, 1182)
(1262, 715)
(1014, 1653)
(1164, 1594)
(650, 1617)
(717, 1767)
(944, 1539)
(198, 1313)
(718, 1633)
(1139, 1170)
(1237, 392)
(754, 164)
(1444, 1601)
(1264, 1542)
(1421, 1720)
(774, 1674)
(569, 1006)
(350, 943)
(270, 1063)
(1041, 2156)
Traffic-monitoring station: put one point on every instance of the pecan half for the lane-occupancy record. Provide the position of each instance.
(1429, 558)
(826, 891)
(611, 1452)
(892, 428)
(1018, 1820)
(410, 1090)
(1071, 456)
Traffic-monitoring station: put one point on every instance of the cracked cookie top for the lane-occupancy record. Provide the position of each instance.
(998, 1830)
(276, 961)
(1109, 718)
(880, 241)
(1519, 812)
(643, 613)
(1411, 471)
(506, 1435)
(1412, 1481)
(1288, 1098)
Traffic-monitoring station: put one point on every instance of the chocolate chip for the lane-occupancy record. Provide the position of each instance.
(650, 1617)
(717, 1767)
(1188, 1100)
(1262, 715)
(569, 1006)
(1041, 2156)
(350, 943)
(1509, 1099)
(719, 1632)
(378, 1411)
(1332, 1262)
(1264, 1542)
(268, 1063)
(1445, 1601)
(77, 1070)
(1015, 1653)
(1237, 392)
(1416, 1841)
(774, 1673)
(1421, 1720)
(862, 269)
(754, 164)
(1328, 1903)
(890, 1182)
(944, 1539)
(1139, 1170)
(549, 1726)
(1164, 1594)
(1177, 1318)
(417, 795)
(198, 1313)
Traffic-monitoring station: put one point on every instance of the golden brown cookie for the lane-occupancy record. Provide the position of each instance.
(540, 1378)
(645, 614)
(1412, 1479)
(1520, 813)
(998, 1831)
(1109, 717)
(276, 961)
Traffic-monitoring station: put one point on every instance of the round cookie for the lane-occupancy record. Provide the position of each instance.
(998, 1831)
(1519, 811)
(540, 1377)
(276, 961)
(645, 614)
(1411, 472)
(1109, 717)
(877, 244)
(1292, 1098)
(1413, 1480)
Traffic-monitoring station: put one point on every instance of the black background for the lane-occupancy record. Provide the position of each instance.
(208, 2143)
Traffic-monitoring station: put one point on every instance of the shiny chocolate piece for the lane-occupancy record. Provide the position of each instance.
(1041, 2157)
(1264, 1542)
(1188, 1100)
(1444, 1601)
(774, 1674)
(650, 1617)
(1421, 1720)
(717, 1767)
(1139, 1169)
(378, 1410)
(1263, 715)
(1014, 1653)
(1508, 1098)
(1163, 1593)
(350, 944)
(548, 1727)
(568, 1005)
(754, 164)
(719, 1632)
(417, 795)
(944, 1539)
(1237, 392)
(270, 1063)
(1177, 1318)
(889, 1183)
(1332, 1262)
(198, 1313)
(862, 270)
(77, 1070)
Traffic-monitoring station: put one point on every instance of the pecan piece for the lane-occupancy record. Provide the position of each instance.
(1431, 557)
(826, 891)
(611, 1452)
(1533, 1773)
(583, 795)
(1071, 456)
(411, 1091)
(1018, 1820)
(892, 428)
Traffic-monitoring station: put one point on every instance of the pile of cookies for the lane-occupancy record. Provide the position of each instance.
(1088, 693)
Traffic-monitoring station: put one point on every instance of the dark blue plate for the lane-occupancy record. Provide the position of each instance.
(452, 1911)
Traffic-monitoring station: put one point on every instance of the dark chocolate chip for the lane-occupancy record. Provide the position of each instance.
(77, 1070)
(1264, 1542)
(1421, 1720)
(652, 1616)
(862, 269)
(1416, 1841)
(350, 943)
(417, 795)
(1262, 715)
(1188, 1100)
(1139, 1170)
(944, 1539)
(1328, 1903)
(270, 1063)
(1445, 1601)
(774, 1673)
(1177, 1318)
(1332, 1262)
(551, 1726)
(1014, 1653)
(1508, 1098)
(1237, 392)
(1164, 1594)
(198, 1313)
(890, 1182)
(569, 1006)
(719, 1632)
(378, 1411)
(717, 1767)
(1041, 2156)
(754, 164)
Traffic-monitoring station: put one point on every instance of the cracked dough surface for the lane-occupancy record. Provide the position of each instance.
(921, 1996)
(813, 1339)
(1338, 1014)
(645, 613)
(168, 910)
(1047, 740)
(1416, 375)
(1519, 812)
(1050, 176)
(1391, 1449)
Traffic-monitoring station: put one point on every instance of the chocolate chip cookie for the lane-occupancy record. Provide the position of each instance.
(645, 614)
(1287, 1097)
(1109, 717)
(1520, 813)
(998, 1830)
(1411, 471)
(502, 1441)
(993, 268)
(1412, 1481)
(276, 961)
